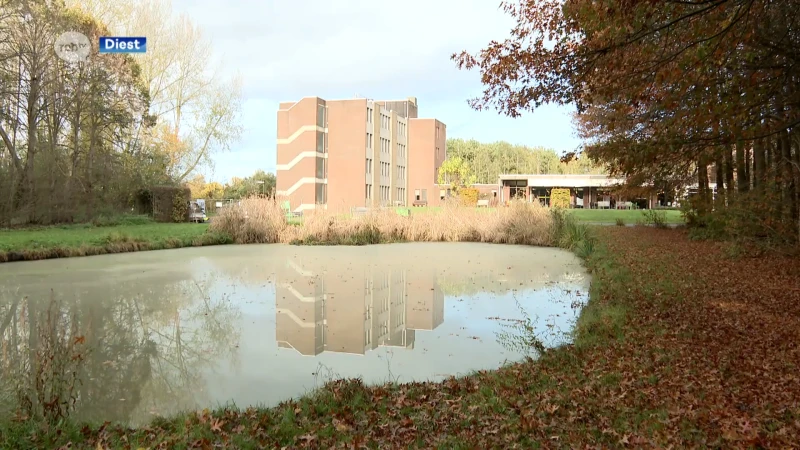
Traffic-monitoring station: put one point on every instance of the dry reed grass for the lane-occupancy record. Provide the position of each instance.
(263, 221)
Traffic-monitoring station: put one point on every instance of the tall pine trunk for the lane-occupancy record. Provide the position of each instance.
(759, 167)
(741, 171)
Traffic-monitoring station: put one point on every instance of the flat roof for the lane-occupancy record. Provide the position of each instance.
(559, 180)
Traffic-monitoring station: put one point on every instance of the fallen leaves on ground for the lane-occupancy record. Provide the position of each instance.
(706, 355)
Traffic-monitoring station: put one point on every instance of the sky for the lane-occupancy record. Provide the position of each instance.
(285, 50)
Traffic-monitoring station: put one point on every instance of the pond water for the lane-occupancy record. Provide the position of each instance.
(158, 332)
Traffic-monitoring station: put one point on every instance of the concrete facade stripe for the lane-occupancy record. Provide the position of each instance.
(300, 131)
(300, 270)
(300, 322)
(300, 182)
(300, 156)
(297, 294)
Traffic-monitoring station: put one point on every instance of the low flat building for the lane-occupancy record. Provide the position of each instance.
(586, 191)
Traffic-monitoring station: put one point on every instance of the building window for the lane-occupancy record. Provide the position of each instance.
(321, 122)
(321, 193)
(320, 142)
(321, 168)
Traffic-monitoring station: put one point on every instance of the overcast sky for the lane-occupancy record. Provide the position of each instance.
(286, 50)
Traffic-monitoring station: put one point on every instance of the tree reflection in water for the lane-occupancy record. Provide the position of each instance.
(143, 351)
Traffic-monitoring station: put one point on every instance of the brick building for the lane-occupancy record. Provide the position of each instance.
(341, 154)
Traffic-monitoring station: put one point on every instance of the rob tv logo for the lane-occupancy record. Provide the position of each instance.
(123, 44)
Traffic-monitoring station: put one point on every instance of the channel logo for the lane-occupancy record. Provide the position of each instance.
(123, 44)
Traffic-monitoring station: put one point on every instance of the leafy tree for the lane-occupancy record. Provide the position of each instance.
(212, 190)
(456, 173)
(666, 90)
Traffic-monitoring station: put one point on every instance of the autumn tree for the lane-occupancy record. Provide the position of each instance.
(198, 109)
(665, 89)
(68, 146)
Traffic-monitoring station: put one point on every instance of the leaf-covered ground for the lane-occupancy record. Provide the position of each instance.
(680, 347)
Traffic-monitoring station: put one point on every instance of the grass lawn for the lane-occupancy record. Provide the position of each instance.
(89, 239)
(590, 215)
(679, 347)
(629, 216)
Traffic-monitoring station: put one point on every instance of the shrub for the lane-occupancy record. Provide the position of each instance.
(620, 222)
(559, 198)
(749, 221)
(180, 208)
(468, 196)
(170, 203)
(656, 218)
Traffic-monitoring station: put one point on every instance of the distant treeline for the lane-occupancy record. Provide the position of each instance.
(486, 161)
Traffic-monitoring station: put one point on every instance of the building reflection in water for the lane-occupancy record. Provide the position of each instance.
(319, 311)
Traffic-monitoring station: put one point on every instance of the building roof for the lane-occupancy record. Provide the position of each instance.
(563, 180)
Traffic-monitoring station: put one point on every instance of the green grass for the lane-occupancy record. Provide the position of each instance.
(631, 216)
(103, 235)
(76, 236)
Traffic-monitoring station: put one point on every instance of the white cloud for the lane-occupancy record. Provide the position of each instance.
(317, 45)
(285, 50)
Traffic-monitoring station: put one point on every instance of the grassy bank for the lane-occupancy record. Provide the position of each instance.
(598, 216)
(262, 221)
(109, 235)
(678, 346)
(628, 216)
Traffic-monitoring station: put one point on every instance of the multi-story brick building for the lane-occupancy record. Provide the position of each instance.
(341, 154)
(319, 311)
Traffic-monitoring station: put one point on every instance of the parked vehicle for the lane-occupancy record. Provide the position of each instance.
(197, 211)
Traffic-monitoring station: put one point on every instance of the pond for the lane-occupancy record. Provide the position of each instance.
(154, 333)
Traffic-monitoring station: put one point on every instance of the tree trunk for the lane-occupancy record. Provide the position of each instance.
(719, 168)
(741, 171)
(788, 173)
(728, 152)
(702, 183)
(759, 172)
(775, 151)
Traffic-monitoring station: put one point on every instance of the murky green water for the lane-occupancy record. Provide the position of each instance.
(163, 331)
